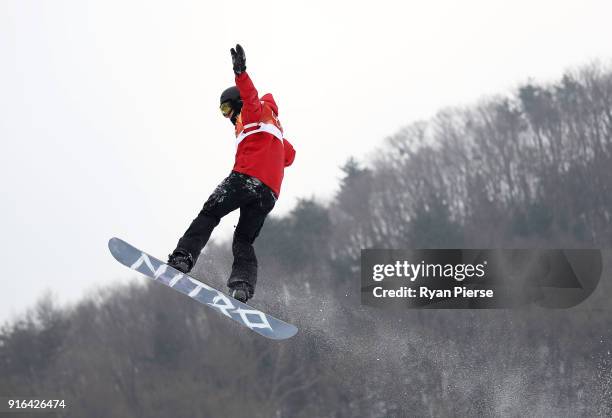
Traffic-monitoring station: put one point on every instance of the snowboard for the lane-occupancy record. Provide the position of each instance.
(245, 315)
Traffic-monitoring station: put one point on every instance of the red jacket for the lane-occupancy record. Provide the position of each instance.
(262, 151)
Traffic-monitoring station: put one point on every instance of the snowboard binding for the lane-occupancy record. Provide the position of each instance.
(181, 260)
(241, 291)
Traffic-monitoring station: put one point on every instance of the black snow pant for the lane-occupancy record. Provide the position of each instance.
(255, 201)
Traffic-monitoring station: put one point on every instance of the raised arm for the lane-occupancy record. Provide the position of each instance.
(251, 106)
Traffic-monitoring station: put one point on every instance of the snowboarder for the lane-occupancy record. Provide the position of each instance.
(253, 185)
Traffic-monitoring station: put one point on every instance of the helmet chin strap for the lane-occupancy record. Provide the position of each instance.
(237, 108)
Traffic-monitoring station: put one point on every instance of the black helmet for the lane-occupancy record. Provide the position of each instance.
(231, 95)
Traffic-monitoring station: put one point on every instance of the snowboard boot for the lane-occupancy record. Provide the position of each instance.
(181, 260)
(241, 291)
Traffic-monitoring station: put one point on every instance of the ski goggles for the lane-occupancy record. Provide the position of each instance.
(226, 109)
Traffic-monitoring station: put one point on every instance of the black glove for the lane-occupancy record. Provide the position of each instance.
(238, 59)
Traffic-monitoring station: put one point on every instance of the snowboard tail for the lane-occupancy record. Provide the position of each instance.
(257, 321)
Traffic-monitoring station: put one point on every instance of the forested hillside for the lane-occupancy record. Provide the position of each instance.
(532, 168)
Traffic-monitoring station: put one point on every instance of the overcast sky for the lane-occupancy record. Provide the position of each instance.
(110, 123)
